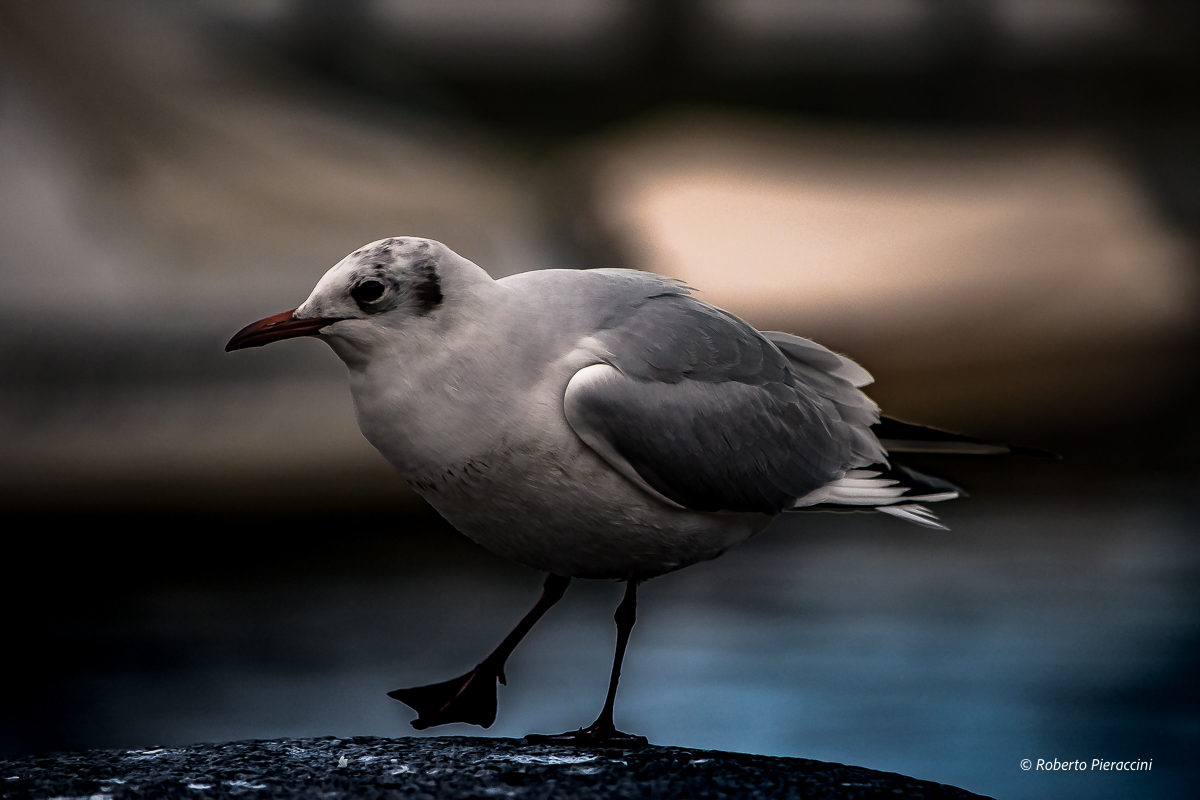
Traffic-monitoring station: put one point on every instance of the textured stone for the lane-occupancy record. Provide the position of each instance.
(445, 767)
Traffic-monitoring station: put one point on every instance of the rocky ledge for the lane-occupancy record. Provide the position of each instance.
(444, 767)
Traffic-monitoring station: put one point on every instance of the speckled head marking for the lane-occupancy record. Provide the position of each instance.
(400, 291)
(395, 273)
(427, 289)
(397, 292)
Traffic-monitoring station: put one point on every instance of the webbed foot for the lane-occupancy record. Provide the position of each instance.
(598, 735)
(469, 698)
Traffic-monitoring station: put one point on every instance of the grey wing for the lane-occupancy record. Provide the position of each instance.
(806, 352)
(834, 377)
(699, 408)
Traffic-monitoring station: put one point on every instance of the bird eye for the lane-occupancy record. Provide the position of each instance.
(367, 292)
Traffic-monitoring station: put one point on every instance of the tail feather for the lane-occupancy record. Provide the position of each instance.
(914, 512)
(904, 437)
(893, 489)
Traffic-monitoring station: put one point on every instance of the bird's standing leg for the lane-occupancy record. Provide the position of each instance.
(604, 731)
(471, 697)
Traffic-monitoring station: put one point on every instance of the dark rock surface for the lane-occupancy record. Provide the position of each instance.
(445, 767)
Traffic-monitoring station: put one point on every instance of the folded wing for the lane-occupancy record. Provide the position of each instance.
(700, 409)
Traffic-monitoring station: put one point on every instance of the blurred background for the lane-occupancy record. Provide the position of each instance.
(993, 205)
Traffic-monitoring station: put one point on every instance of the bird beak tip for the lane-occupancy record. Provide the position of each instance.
(276, 328)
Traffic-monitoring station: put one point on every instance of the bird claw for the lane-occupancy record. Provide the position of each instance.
(469, 698)
(598, 735)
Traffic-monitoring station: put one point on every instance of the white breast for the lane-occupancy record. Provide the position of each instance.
(505, 469)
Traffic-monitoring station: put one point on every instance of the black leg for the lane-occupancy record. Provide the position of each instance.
(604, 731)
(471, 697)
(625, 617)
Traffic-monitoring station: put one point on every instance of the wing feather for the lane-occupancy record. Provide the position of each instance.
(700, 409)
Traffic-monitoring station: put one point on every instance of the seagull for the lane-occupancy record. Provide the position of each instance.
(600, 423)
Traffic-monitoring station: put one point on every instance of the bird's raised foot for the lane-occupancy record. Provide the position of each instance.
(598, 735)
(469, 698)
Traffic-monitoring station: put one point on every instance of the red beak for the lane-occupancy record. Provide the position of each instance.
(276, 327)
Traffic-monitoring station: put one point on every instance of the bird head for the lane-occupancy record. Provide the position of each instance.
(394, 285)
